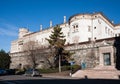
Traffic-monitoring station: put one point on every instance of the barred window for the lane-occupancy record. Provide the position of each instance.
(75, 28)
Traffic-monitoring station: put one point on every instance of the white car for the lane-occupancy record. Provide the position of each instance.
(32, 72)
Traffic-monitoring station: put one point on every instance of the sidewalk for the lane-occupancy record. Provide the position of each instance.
(61, 75)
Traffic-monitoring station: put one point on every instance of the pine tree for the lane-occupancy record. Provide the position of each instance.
(56, 41)
(4, 59)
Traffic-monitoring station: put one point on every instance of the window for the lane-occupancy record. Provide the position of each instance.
(94, 27)
(111, 33)
(89, 39)
(99, 21)
(89, 29)
(95, 16)
(75, 28)
(20, 42)
(106, 30)
(68, 33)
(107, 60)
(42, 40)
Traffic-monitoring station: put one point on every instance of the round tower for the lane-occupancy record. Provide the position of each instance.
(22, 32)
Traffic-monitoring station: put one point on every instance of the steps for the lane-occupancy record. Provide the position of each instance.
(98, 73)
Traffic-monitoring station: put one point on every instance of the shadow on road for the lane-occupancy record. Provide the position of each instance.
(62, 81)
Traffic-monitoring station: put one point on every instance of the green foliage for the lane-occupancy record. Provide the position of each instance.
(50, 70)
(57, 38)
(56, 41)
(55, 70)
(75, 68)
(19, 71)
(64, 68)
(4, 59)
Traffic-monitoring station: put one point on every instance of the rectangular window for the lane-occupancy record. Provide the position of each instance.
(89, 29)
(106, 58)
(94, 27)
(106, 30)
(89, 39)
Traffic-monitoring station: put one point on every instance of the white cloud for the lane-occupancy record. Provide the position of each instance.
(8, 30)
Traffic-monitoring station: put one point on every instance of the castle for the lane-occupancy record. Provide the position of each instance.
(90, 36)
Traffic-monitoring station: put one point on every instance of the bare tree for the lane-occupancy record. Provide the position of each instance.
(32, 51)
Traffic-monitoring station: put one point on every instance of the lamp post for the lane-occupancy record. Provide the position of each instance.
(59, 53)
(59, 63)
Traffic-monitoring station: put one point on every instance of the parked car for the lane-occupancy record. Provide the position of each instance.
(3, 72)
(32, 72)
(10, 71)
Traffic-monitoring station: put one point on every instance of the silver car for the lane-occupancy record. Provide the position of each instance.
(32, 72)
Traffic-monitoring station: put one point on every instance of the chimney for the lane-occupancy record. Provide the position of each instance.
(40, 27)
(112, 21)
(64, 19)
(50, 23)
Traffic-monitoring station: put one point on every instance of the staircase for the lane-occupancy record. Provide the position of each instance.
(107, 72)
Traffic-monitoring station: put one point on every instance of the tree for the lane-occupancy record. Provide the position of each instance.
(57, 42)
(4, 59)
(32, 50)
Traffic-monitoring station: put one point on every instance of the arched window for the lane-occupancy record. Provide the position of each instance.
(75, 28)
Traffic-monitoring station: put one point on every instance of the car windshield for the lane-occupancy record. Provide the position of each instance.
(29, 71)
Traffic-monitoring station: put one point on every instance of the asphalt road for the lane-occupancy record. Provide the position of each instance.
(47, 80)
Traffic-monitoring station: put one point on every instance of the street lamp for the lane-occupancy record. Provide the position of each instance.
(59, 53)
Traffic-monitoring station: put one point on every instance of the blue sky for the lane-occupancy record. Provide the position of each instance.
(31, 13)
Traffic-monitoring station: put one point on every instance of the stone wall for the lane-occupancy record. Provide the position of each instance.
(90, 53)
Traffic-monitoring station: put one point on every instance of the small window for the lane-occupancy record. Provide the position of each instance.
(42, 39)
(89, 29)
(99, 21)
(111, 33)
(68, 43)
(89, 39)
(75, 28)
(107, 60)
(20, 42)
(68, 34)
(106, 29)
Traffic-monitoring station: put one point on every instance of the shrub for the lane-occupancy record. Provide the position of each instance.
(19, 71)
(50, 70)
(75, 68)
(63, 68)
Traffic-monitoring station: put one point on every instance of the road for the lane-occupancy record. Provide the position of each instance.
(20, 79)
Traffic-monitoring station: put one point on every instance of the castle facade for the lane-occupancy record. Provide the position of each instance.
(84, 34)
